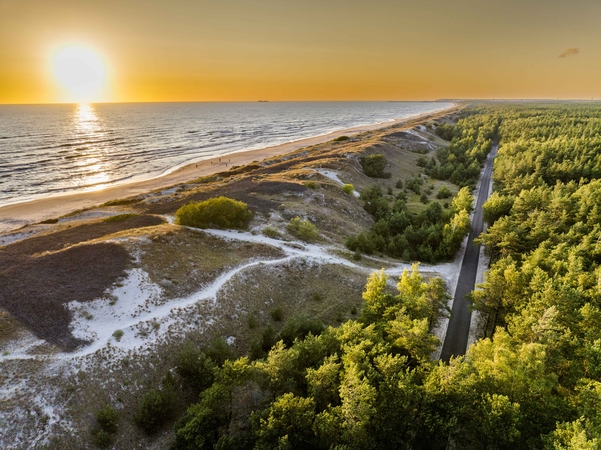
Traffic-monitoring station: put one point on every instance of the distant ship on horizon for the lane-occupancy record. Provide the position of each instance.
(263, 101)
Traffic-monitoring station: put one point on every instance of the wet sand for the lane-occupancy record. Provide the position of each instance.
(16, 215)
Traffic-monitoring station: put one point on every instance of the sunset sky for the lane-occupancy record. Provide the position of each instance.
(228, 50)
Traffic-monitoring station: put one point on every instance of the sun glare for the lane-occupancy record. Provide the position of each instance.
(80, 72)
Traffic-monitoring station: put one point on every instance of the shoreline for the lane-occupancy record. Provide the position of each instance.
(17, 215)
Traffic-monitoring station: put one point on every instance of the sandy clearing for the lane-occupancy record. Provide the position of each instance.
(136, 303)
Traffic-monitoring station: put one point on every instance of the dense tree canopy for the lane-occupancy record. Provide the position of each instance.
(534, 381)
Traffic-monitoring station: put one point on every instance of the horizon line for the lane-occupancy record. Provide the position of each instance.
(478, 99)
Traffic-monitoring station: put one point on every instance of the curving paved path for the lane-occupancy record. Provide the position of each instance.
(455, 343)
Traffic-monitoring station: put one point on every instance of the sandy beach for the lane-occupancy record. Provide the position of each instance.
(16, 215)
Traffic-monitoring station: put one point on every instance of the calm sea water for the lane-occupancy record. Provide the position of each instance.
(51, 149)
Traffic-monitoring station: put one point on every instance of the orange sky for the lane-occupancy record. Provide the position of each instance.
(222, 50)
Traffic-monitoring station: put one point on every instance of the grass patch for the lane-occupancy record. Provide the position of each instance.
(341, 139)
(194, 258)
(122, 202)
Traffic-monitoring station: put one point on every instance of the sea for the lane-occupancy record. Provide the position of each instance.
(47, 150)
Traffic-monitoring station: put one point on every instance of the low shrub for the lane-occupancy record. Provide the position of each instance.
(414, 184)
(220, 212)
(302, 229)
(341, 138)
(444, 192)
(348, 189)
(194, 366)
(299, 328)
(277, 314)
(219, 351)
(374, 165)
(310, 185)
(103, 439)
(271, 232)
(157, 407)
(107, 419)
(118, 334)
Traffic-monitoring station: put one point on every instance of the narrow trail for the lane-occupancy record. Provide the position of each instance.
(455, 343)
(127, 322)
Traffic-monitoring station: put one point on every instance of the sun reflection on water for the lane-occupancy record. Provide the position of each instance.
(85, 119)
(93, 173)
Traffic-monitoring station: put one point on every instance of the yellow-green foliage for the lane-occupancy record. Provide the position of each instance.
(220, 212)
(348, 189)
(302, 229)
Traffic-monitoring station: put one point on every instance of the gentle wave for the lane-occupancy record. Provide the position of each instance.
(50, 149)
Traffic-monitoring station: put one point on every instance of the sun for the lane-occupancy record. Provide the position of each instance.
(81, 73)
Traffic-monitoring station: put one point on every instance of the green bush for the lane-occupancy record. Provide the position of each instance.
(271, 232)
(220, 212)
(444, 192)
(310, 185)
(107, 419)
(194, 366)
(348, 189)
(260, 346)
(103, 439)
(118, 334)
(156, 407)
(299, 328)
(374, 165)
(219, 351)
(302, 229)
(399, 184)
(414, 184)
(277, 314)
(341, 138)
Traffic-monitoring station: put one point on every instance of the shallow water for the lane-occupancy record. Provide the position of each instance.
(50, 149)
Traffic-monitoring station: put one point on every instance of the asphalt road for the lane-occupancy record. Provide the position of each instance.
(455, 342)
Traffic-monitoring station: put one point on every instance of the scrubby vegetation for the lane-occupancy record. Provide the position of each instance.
(341, 139)
(220, 212)
(271, 232)
(348, 189)
(435, 232)
(302, 229)
(351, 386)
(118, 218)
(432, 235)
(374, 166)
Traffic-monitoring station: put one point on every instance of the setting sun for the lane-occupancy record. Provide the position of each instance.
(80, 72)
